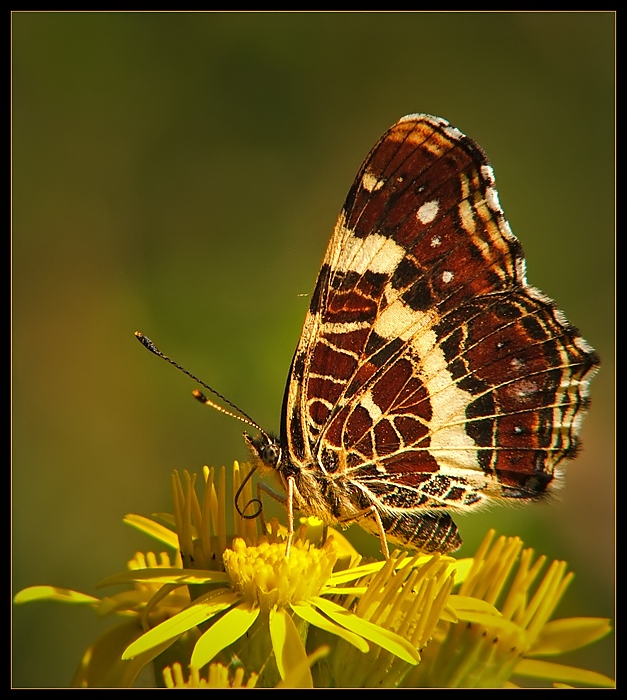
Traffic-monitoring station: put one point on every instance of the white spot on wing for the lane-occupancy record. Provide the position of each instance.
(447, 276)
(428, 211)
(400, 321)
(370, 182)
(374, 253)
(373, 410)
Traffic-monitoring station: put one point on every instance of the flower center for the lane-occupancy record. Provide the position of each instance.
(264, 575)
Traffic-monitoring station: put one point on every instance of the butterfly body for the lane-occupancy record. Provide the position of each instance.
(338, 499)
(429, 377)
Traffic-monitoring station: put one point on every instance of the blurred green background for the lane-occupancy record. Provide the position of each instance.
(180, 174)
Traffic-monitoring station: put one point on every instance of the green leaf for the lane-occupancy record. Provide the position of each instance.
(183, 621)
(559, 636)
(386, 639)
(288, 647)
(61, 595)
(228, 629)
(313, 617)
(565, 674)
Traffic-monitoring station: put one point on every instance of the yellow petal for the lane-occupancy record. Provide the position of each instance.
(152, 529)
(290, 681)
(62, 595)
(341, 577)
(162, 575)
(559, 636)
(466, 602)
(347, 590)
(490, 621)
(391, 641)
(126, 600)
(313, 617)
(289, 651)
(228, 629)
(564, 674)
(462, 568)
(180, 623)
(481, 612)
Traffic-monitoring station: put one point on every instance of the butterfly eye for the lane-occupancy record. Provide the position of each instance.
(270, 455)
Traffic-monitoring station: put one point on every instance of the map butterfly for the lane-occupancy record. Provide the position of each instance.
(429, 377)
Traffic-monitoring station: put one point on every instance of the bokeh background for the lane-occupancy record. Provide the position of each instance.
(181, 173)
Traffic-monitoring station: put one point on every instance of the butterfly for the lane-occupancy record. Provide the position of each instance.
(429, 378)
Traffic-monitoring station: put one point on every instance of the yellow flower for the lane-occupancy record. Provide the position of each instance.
(495, 632)
(260, 594)
(226, 608)
(218, 676)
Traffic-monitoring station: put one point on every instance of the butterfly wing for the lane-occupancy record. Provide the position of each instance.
(429, 375)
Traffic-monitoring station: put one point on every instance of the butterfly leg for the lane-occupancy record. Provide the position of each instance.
(264, 488)
(290, 515)
(289, 503)
(371, 510)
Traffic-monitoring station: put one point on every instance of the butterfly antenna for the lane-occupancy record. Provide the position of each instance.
(240, 415)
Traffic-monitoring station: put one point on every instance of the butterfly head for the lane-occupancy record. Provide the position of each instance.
(266, 450)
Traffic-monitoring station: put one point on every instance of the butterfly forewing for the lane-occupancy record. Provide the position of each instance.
(429, 376)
